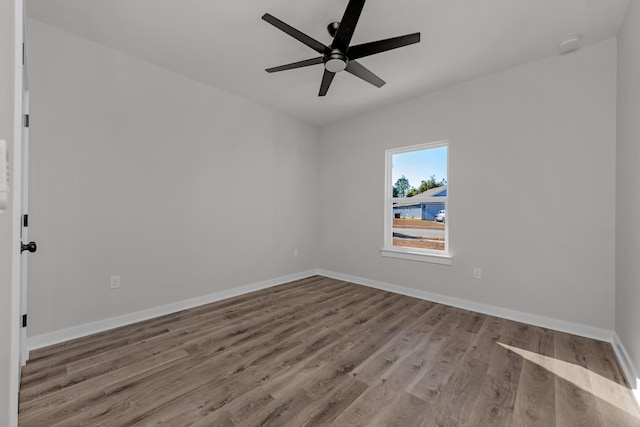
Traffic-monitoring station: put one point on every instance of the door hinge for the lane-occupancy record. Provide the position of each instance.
(23, 51)
(25, 220)
(24, 320)
(26, 120)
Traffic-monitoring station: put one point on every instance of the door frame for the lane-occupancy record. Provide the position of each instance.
(24, 210)
(16, 162)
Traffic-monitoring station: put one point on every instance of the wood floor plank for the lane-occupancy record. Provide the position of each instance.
(325, 408)
(390, 355)
(387, 392)
(459, 396)
(384, 406)
(241, 410)
(443, 356)
(576, 404)
(320, 352)
(535, 403)
(496, 403)
(506, 364)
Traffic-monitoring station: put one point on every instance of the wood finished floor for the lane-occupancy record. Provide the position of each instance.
(324, 352)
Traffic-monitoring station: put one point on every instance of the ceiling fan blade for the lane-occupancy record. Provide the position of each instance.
(298, 35)
(361, 71)
(327, 78)
(366, 49)
(299, 64)
(347, 25)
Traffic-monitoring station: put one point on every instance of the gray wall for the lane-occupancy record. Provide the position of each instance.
(543, 135)
(7, 320)
(182, 189)
(628, 190)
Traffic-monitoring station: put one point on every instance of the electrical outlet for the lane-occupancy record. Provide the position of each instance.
(114, 282)
(477, 273)
(295, 252)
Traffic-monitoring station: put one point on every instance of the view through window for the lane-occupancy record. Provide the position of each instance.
(418, 202)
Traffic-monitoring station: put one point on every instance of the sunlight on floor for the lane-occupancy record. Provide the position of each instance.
(601, 387)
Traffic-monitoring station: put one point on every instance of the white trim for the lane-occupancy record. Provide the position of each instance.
(422, 146)
(505, 313)
(23, 210)
(62, 335)
(627, 366)
(14, 344)
(417, 256)
(413, 254)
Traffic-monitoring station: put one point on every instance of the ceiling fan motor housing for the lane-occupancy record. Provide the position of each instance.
(333, 28)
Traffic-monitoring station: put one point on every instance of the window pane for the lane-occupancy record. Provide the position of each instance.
(419, 187)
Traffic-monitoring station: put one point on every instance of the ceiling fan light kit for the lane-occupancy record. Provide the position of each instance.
(335, 62)
(340, 56)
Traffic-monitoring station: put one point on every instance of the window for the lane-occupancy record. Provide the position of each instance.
(416, 211)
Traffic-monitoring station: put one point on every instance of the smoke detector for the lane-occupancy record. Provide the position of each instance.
(569, 44)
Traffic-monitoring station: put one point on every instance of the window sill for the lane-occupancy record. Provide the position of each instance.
(444, 259)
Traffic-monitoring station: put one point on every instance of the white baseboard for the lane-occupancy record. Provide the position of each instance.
(518, 316)
(627, 366)
(62, 335)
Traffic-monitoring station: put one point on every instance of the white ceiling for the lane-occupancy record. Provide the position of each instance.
(225, 44)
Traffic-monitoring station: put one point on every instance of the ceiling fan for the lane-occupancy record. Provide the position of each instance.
(339, 56)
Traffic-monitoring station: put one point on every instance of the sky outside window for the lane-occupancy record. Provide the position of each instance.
(418, 166)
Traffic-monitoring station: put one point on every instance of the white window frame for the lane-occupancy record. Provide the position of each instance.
(414, 254)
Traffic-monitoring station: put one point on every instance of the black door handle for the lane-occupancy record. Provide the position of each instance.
(31, 247)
